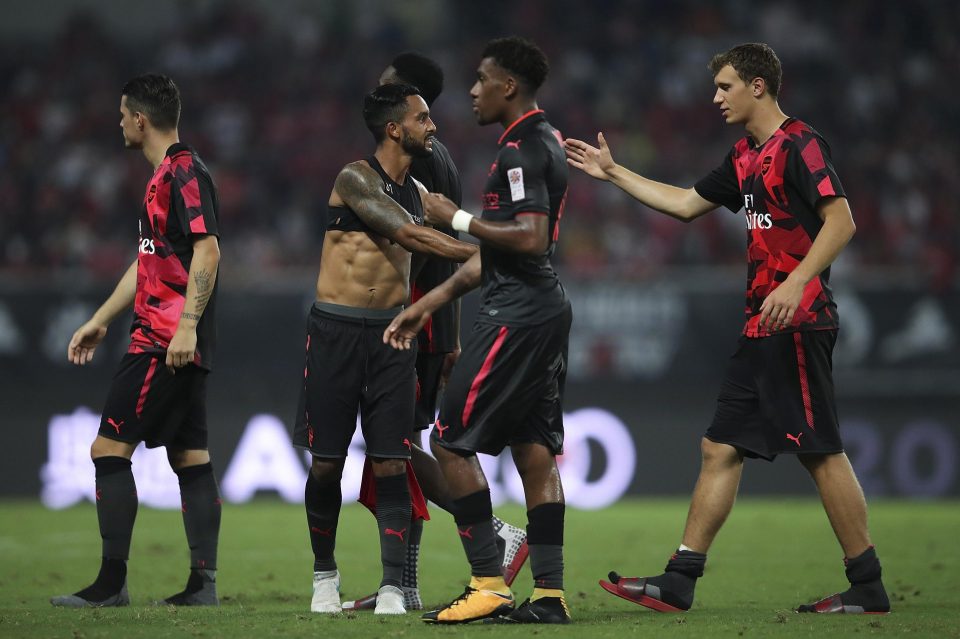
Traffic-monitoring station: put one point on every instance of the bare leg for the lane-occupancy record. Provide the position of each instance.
(842, 498)
(714, 494)
(428, 473)
(463, 475)
(538, 471)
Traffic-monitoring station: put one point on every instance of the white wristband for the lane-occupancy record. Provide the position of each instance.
(461, 221)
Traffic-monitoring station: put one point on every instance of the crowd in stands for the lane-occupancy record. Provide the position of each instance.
(272, 103)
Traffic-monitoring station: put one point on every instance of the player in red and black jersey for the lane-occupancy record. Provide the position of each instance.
(159, 394)
(507, 386)
(778, 393)
(438, 347)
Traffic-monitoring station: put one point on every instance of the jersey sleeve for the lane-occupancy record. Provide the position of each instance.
(525, 172)
(721, 186)
(810, 170)
(193, 201)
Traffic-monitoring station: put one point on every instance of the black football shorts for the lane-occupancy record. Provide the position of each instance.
(506, 388)
(777, 396)
(147, 403)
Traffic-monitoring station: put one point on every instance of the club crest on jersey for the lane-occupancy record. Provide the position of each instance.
(515, 177)
(152, 193)
(765, 165)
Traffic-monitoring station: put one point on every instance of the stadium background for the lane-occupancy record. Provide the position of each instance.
(271, 96)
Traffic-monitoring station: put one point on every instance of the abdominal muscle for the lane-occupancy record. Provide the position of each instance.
(363, 270)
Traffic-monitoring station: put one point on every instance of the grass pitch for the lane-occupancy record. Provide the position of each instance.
(771, 556)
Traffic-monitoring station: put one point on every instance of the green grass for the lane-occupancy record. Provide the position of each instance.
(771, 555)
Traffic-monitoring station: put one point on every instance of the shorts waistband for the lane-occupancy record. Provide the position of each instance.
(362, 315)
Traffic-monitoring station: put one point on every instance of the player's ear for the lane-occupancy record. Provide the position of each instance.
(393, 131)
(510, 87)
(758, 86)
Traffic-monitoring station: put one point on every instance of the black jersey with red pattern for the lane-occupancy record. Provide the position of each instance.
(529, 177)
(779, 184)
(180, 204)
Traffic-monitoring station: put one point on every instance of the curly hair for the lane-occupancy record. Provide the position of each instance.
(520, 57)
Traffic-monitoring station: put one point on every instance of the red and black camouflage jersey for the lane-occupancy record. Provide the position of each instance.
(180, 204)
(779, 184)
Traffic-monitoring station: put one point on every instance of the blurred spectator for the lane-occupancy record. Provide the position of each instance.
(273, 103)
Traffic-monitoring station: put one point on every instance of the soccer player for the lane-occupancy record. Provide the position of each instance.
(158, 396)
(438, 346)
(778, 396)
(507, 386)
(375, 222)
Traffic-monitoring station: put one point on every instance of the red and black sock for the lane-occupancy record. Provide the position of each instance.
(322, 502)
(116, 513)
(473, 515)
(393, 519)
(545, 537)
(201, 507)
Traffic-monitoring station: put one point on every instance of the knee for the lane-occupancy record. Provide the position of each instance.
(383, 467)
(326, 471)
(103, 447)
(719, 455)
(182, 458)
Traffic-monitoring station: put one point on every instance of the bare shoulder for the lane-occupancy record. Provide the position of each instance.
(357, 179)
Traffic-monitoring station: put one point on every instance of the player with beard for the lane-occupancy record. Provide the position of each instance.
(438, 348)
(374, 223)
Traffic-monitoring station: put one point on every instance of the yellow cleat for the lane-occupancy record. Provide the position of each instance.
(473, 605)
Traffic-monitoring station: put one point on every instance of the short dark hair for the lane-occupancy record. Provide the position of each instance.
(387, 103)
(520, 57)
(420, 71)
(157, 96)
(751, 60)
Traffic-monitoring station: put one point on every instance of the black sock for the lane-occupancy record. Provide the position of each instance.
(200, 503)
(322, 502)
(545, 537)
(116, 505)
(393, 519)
(866, 588)
(473, 515)
(409, 579)
(110, 580)
(679, 580)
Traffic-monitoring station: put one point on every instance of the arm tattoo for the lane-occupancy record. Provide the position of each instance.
(190, 316)
(204, 284)
(361, 189)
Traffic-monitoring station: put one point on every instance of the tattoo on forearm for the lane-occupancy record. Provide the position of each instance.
(204, 281)
(190, 316)
(361, 188)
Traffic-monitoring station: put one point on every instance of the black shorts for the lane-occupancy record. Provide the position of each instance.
(429, 370)
(507, 388)
(778, 396)
(147, 403)
(349, 368)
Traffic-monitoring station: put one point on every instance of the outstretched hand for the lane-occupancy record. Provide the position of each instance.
(404, 328)
(84, 342)
(595, 162)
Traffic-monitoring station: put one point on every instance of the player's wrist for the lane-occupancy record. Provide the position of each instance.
(461, 221)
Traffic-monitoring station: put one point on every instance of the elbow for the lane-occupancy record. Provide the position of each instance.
(852, 230)
(534, 246)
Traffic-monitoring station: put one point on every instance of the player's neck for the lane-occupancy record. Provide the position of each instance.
(395, 162)
(516, 111)
(155, 148)
(764, 122)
